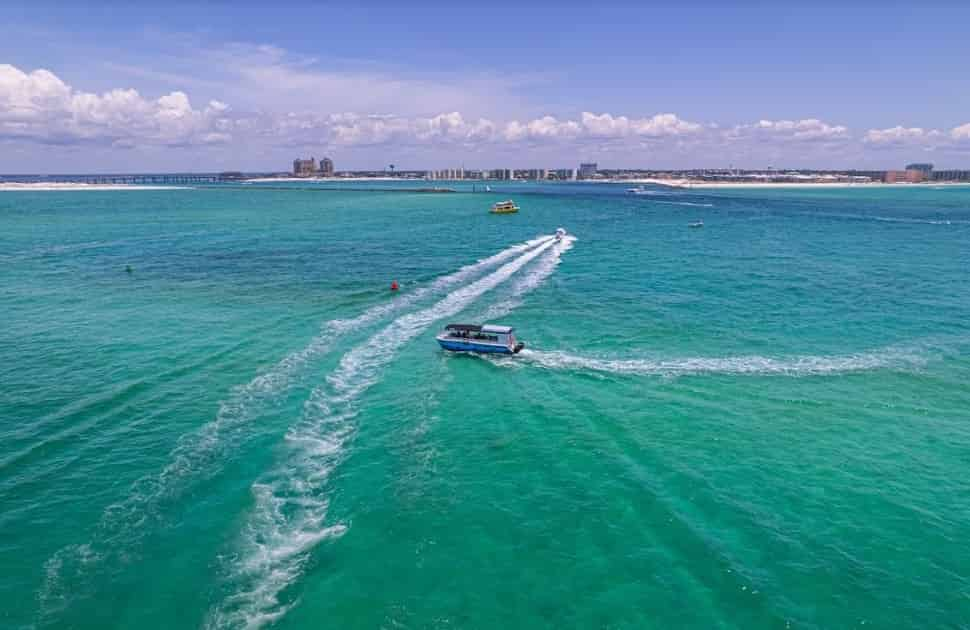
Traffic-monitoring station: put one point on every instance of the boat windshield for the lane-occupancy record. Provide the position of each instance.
(472, 334)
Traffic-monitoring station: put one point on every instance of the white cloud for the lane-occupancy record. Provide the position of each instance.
(591, 127)
(350, 129)
(39, 106)
(961, 133)
(805, 130)
(900, 135)
(453, 127)
(353, 129)
(608, 126)
(545, 128)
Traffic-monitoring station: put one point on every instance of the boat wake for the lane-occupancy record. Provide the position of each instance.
(917, 221)
(290, 503)
(885, 219)
(686, 203)
(202, 453)
(534, 277)
(890, 358)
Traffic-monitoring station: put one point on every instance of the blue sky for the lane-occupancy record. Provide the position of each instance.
(172, 86)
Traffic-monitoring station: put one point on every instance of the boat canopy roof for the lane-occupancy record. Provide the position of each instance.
(487, 328)
(501, 330)
(464, 327)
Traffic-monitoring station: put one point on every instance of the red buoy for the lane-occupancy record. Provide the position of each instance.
(394, 285)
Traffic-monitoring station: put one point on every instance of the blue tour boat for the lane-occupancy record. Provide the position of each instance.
(475, 338)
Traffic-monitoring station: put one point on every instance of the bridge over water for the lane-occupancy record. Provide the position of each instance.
(143, 178)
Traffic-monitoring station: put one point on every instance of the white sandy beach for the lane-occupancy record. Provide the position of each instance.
(821, 185)
(702, 184)
(690, 183)
(673, 183)
(685, 183)
(329, 180)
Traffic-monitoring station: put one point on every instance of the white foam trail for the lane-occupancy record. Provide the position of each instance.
(686, 203)
(201, 452)
(377, 312)
(534, 277)
(884, 219)
(290, 503)
(753, 364)
(913, 220)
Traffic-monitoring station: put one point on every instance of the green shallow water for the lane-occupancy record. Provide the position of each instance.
(764, 423)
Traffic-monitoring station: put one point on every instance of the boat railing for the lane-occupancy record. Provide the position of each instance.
(474, 336)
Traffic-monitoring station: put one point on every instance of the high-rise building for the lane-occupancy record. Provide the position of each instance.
(927, 169)
(326, 167)
(911, 176)
(304, 168)
(587, 170)
(951, 176)
(449, 173)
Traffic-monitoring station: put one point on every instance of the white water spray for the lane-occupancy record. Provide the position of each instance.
(290, 503)
(530, 281)
(203, 452)
(744, 365)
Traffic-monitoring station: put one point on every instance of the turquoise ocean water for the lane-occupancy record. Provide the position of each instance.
(764, 423)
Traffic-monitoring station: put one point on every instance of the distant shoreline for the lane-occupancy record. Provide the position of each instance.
(673, 183)
(330, 180)
(694, 183)
(75, 186)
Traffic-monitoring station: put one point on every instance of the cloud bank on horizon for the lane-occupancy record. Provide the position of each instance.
(39, 109)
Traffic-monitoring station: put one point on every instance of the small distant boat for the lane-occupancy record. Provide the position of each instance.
(560, 234)
(696, 224)
(639, 190)
(488, 338)
(505, 207)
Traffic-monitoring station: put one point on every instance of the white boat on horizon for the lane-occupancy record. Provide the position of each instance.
(639, 190)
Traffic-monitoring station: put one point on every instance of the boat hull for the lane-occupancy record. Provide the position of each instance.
(461, 345)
